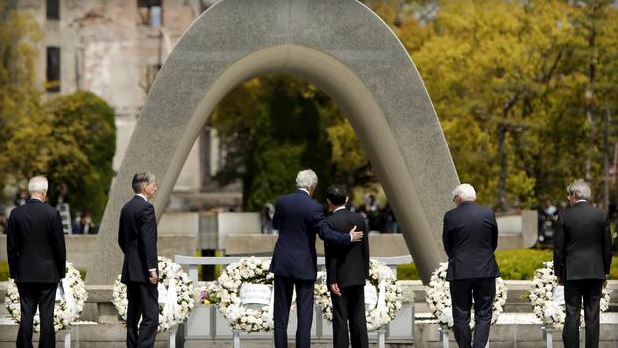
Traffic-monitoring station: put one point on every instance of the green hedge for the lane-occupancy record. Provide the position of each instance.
(518, 264)
(4, 271)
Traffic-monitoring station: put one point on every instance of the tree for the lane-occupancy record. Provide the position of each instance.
(71, 140)
(273, 126)
(84, 124)
(19, 97)
(488, 68)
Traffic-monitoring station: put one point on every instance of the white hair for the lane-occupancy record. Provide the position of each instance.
(306, 178)
(37, 184)
(465, 191)
(580, 190)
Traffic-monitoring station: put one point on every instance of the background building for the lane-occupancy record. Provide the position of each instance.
(115, 49)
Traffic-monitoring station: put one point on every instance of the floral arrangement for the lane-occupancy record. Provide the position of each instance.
(390, 295)
(225, 293)
(542, 297)
(439, 297)
(210, 293)
(176, 295)
(66, 311)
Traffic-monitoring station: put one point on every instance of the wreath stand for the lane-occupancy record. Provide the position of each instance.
(548, 336)
(444, 336)
(68, 336)
(444, 331)
(382, 337)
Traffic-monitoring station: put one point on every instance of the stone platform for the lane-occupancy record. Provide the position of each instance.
(520, 330)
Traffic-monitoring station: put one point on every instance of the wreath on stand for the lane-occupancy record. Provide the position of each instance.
(383, 296)
(70, 298)
(176, 295)
(543, 301)
(439, 298)
(243, 293)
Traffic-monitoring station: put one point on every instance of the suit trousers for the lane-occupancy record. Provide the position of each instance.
(483, 290)
(284, 287)
(31, 296)
(588, 290)
(143, 302)
(350, 307)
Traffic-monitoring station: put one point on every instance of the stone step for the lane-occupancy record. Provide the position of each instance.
(513, 329)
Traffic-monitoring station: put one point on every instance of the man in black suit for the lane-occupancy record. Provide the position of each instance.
(347, 269)
(582, 258)
(470, 238)
(37, 261)
(297, 218)
(137, 238)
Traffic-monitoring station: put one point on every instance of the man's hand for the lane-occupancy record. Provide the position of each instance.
(153, 277)
(334, 287)
(605, 281)
(356, 235)
(560, 280)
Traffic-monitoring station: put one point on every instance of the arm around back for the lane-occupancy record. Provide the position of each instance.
(325, 232)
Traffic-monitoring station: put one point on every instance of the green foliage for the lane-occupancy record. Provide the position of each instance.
(4, 271)
(85, 123)
(288, 135)
(274, 126)
(71, 140)
(19, 98)
(520, 264)
(517, 264)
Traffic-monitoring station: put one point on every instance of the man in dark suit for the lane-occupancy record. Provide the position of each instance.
(582, 258)
(347, 269)
(470, 238)
(37, 261)
(137, 238)
(297, 218)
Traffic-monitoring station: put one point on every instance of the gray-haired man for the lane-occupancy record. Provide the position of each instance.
(298, 218)
(582, 258)
(37, 261)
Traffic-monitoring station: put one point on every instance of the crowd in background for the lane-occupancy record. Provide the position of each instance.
(80, 222)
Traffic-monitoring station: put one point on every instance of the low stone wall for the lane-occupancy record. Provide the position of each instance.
(80, 248)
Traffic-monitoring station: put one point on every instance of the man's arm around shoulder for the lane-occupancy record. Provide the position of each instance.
(325, 232)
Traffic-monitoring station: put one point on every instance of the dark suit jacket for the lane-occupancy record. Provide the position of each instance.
(347, 265)
(582, 243)
(298, 217)
(35, 244)
(470, 237)
(137, 238)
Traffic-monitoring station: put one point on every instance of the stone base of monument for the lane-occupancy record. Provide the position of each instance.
(513, 329)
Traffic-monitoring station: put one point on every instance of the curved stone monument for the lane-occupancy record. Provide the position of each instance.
(340, 46)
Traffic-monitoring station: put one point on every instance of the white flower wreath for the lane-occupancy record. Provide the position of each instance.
(66, 311)
(439, 297)
(226, 294)
(176, 295)
(385, 283)
(542, 298)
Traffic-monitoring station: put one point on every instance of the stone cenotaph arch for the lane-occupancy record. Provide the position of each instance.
(340, 46)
